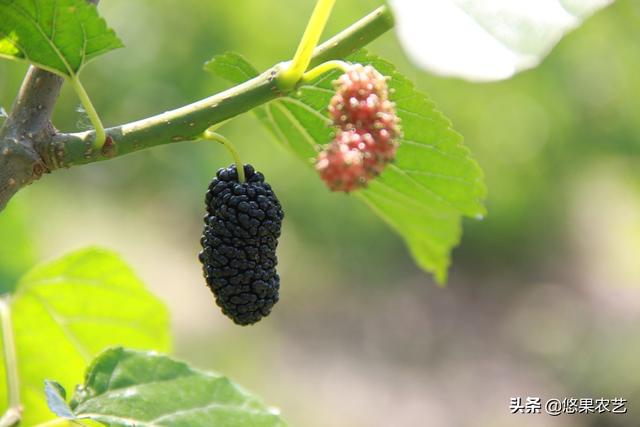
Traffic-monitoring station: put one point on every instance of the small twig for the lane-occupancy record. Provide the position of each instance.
(11, 417)
(14, 413)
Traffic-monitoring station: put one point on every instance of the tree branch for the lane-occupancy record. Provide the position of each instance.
(29, 121)
(183, 124)
(57, 150)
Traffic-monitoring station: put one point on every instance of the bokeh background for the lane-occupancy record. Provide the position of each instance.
(544, 295)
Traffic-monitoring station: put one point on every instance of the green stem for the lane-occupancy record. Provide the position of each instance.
(13, 414)
(188, 123)
(60, 422)
(212, 136)
(293, 73)
(54, 423)
(101, 137)
(323, 68)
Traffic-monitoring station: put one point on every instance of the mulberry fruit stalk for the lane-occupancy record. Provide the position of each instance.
(367, 133)
(242, 226)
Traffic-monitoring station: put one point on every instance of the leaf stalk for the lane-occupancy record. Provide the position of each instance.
(210, 135)
(101, 136)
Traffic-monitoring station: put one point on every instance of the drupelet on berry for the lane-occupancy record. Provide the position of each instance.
(341, 167)
(242, 226)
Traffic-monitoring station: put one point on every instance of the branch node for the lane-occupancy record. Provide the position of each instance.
(109, 148)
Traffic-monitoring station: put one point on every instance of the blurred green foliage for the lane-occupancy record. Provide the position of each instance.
(17, 252)
(66, 312)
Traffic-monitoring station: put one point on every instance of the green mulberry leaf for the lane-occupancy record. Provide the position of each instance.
(66, 312)
(129, 388)
(424, 194)
(56, 399)
(58, 35)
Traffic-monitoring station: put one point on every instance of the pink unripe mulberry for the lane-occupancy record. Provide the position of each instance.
(367, 130)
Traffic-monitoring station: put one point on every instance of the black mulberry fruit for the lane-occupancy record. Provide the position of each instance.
(242, 227)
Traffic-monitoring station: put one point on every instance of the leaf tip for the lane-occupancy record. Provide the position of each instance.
(56, 399)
